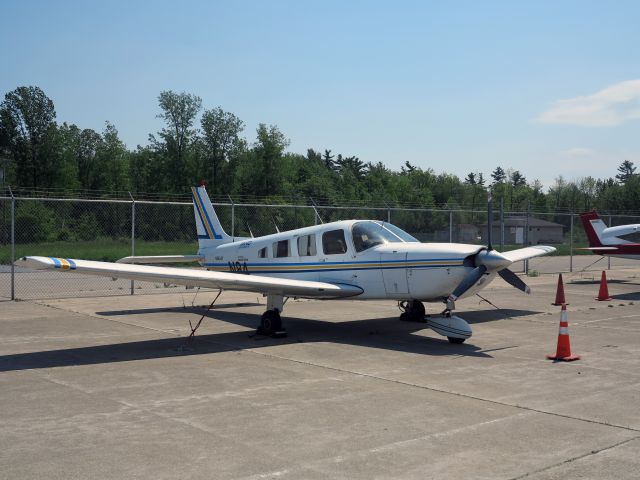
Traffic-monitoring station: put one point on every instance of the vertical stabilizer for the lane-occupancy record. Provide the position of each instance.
(593, 227)
(210, 231)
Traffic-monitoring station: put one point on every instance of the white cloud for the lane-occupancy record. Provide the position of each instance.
(612, 106)
(578, 152)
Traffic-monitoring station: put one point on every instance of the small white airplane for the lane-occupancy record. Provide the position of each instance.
(358, 259)
(622, 241)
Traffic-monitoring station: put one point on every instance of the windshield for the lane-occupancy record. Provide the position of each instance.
(400, 233)
(370, 234)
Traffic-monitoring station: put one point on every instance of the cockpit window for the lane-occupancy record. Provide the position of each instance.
(369, 234)
(399, 232)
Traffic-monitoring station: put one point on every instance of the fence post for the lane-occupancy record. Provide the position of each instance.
(233, 219)
(450, 226)
(571, 245)
(609, 256)
(501, 224)
(133, 234)
(13, 245)
(317, 215)
(526, 236)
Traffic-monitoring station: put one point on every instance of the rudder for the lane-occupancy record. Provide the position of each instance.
(593, 227)
(208, 226)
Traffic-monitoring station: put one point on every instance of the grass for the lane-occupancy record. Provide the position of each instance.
(106, 250)
(110, 250)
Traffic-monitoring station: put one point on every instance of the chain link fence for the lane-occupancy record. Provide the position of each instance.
(107, 230)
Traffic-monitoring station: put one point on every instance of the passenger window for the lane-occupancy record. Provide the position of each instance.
(333, 242)
(281, 249)
(262, 253)
(307, 245)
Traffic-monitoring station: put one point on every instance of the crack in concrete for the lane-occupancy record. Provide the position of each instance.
(574, 459)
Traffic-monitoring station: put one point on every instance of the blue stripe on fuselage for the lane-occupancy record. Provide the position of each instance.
(344, 266)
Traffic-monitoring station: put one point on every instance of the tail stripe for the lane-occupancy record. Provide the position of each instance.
(208, 225)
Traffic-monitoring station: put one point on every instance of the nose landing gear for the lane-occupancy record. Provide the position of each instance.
(446, 324)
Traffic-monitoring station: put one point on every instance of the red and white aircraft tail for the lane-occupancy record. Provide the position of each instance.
(621, 241)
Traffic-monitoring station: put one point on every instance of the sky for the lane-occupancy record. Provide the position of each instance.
(548, 88)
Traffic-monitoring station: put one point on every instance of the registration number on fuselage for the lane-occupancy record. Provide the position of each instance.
(238, 267)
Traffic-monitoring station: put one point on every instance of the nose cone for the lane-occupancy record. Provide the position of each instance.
(493, 260)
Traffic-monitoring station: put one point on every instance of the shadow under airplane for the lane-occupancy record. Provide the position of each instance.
(381, 333)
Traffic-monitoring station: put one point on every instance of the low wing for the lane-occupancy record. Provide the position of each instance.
(195, 277)
(528, 252)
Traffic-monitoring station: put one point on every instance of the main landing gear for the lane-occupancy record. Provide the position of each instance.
(412, 311)
(446, 324)
(270, 322)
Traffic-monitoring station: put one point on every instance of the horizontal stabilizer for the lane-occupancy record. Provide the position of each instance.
(528, 252)
(162, 259)
(597, 248)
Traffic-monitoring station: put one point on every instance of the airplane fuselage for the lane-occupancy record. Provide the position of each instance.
(399, 270)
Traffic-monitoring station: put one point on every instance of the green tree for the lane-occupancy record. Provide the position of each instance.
(221, 138)
(179, 111)
(268, 150)
(113, 160)
(327, 158)
(88, 145)
(625, 171)
(498, 176)
(27, 121)
(470, 179)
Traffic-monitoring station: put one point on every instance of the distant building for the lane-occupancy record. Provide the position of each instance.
(461, 233)
(540, 231)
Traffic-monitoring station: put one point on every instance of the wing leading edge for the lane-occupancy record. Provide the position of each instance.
(528, 252)
(195, 277)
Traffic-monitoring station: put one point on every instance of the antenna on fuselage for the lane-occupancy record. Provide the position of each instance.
(275, 224)
(249, 228)
(489, 219)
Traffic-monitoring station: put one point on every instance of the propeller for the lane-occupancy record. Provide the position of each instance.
(486, 261)
(512, 279)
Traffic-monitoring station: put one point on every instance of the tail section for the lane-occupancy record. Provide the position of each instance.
(593, 227)
(210, 231)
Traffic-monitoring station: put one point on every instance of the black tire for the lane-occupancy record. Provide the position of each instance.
(456, 340)
(270, 322)
(417, 310)
(405, 317)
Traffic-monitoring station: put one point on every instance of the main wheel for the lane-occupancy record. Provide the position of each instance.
(456, 340)
(413, 311)
(417, 310)
(270, 322)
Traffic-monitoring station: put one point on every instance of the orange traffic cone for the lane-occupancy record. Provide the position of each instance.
(563, 351)
(560, 300)
(603, 294)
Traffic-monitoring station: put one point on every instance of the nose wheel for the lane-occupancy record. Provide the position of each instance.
(412, 311)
